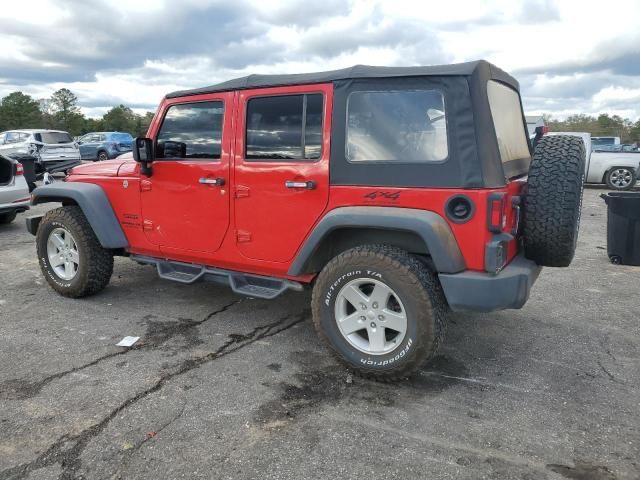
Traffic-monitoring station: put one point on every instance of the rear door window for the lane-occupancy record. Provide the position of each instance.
(506, 112)
(191, 130)
(284, 127)
(396, 126)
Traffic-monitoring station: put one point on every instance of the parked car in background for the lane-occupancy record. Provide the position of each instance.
(41, 152)
(104, 145)
(14, 192)
(617, 169)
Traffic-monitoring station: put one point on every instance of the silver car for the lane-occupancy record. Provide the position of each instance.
(14, 192)
(42, 152)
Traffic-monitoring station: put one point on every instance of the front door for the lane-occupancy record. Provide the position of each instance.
(281, 168)
(185, 202)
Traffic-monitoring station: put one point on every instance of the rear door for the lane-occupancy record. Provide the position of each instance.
(185, 202)
(281, 168)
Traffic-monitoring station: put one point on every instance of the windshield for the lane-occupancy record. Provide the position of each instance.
(54, 137)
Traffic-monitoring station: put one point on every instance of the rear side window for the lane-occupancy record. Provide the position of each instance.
(506, 112)
(396, 126)
(287, 127)
(54, 137)
(191, 130)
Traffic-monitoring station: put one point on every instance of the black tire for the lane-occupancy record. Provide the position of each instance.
(621, 178)
(32, 186)
(553, 200)
(95, 264)
(8, 217)
(102, 156)
(419, 292)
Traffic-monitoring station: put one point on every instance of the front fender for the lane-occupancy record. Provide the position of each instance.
(95, 205)
(431, 227)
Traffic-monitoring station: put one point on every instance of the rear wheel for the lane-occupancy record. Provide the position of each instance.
(72, 260)
(621, 178)
(553, 200)
(8, 217)
(102, 156)
(380, 310)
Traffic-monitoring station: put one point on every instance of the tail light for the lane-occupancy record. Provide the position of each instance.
(497, 212)
(19, 169)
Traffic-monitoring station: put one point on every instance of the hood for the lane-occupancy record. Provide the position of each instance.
(107, 168)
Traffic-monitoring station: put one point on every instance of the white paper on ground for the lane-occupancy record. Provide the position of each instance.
(127, 341)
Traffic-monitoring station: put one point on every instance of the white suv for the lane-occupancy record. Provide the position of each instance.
(14, 193)
(40, 151)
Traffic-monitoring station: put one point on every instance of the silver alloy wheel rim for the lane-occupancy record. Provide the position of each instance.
(370, 316)
(621, 177)
(63, 255)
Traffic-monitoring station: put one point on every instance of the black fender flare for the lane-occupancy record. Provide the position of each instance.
(431, 227)
(95, 205)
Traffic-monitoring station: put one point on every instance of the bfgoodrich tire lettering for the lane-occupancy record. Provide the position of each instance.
(417, 289)
(95, 264)
(553, 200)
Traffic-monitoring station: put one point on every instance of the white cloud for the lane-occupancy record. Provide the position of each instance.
(569, 56)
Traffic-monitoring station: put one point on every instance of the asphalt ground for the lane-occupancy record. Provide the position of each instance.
(221, 386)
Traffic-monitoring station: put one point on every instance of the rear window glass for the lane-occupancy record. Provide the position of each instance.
(287, 127)
(191, 130)
(396, 126)
(54, 137)
(506, 112)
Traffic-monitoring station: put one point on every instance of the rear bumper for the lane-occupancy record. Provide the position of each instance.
(483, 292)
(15, 197)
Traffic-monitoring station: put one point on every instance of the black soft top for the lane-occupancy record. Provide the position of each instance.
(479, 69)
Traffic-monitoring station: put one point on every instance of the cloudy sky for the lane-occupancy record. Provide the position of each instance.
(570, 56)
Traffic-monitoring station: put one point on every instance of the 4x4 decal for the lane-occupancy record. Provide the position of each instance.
(382, 194)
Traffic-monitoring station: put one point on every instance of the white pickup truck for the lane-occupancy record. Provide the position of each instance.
(618, 170)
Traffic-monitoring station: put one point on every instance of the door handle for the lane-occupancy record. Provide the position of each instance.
(212, 181)
(309, 184)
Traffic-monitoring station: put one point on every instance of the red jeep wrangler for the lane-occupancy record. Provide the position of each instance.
(396, 193)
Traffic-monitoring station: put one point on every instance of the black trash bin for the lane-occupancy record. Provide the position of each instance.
(623, 227)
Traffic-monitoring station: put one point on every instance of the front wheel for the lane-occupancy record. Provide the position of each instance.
(102, 156)
(71, 258)
(621, 178)
(380, 310)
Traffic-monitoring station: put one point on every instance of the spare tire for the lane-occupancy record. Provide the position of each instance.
(553, 200)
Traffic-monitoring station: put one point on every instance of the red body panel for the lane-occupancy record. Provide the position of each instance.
(254, 223)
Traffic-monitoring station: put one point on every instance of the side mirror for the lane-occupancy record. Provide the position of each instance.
(143, 153)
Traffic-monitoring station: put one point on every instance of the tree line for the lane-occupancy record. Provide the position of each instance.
(61, 112)
(603, 125)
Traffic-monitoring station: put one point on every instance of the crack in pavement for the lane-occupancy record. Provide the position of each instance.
(124, 463)
(67, 450)
(16, 389)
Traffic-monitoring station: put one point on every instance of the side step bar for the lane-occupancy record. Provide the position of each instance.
(247, 284)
